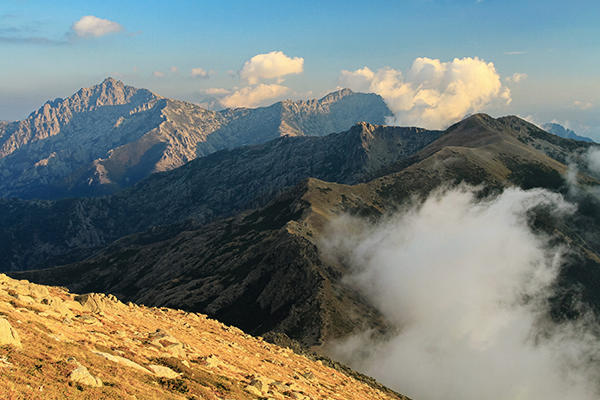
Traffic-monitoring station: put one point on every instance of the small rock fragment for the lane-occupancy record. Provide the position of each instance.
(309, 375)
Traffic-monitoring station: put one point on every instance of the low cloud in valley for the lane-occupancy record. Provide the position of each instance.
(468, 284)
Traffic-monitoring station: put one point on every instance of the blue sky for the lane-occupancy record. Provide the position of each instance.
(552, 46)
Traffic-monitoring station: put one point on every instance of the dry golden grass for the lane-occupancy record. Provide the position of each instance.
(213, 361)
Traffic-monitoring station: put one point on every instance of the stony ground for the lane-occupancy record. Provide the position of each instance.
(58, 345)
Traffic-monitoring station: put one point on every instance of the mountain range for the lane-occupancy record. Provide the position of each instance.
(236, 234)
(108, 137)
(165, 204)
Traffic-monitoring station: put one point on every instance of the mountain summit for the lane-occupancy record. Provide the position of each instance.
(110, 136)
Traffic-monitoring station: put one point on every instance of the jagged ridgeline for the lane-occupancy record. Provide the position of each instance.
(110, 136)
(259, 266)
(229, 181)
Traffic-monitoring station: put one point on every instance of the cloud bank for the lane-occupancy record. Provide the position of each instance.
(215, 91)
(251, 96)
(90, 26)
(432, 94)
(273, 65)
(467, 283)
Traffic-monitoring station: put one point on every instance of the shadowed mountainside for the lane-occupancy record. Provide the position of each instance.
(224, 182)
(262, 270)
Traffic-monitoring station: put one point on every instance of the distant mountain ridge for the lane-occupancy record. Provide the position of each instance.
(561, 131)
(110, 136)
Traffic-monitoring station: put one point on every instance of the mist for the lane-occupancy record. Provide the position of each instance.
(467, 283)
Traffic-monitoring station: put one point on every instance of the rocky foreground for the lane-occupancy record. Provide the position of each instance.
(57, 345)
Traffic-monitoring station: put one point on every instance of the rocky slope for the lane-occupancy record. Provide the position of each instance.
(205, 188)
(110, 136)
(263, 269)
(57, 345)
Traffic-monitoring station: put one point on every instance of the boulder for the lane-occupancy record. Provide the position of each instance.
(93, 302)
(82, 376)
(123, 361)
(163, 372)
(8, 335)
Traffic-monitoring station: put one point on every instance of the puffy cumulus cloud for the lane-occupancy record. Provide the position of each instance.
(273, 65)
(359, 80)
(90, 26)
(157, 74)
(252, 96)
(199, 73)
(516, 77)
(433, 94)
(467, 282)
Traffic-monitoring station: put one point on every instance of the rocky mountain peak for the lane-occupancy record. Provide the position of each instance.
(110, 92)
(336, 96)
(563, 132)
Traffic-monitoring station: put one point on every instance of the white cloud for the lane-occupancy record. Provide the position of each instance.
(467, 282)
(270, 66)
(252, 96)
(584, 105)
(157, 74)
(516, 77)
(215, 91)
(359, 80)
(433, 94)
(199, 73)
(174, 70)
(90, 26)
